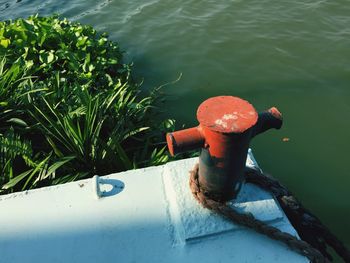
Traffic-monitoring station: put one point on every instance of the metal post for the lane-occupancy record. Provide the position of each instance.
(226, 126)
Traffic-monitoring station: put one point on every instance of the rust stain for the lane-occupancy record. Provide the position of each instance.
(226, 126)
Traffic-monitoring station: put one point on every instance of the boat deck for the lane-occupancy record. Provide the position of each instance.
(144, 215)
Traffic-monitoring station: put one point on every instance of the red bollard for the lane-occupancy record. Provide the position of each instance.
(227, 124)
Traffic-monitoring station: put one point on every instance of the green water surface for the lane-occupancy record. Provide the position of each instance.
(291, 54)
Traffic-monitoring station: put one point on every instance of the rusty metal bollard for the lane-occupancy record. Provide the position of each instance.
(227, 124)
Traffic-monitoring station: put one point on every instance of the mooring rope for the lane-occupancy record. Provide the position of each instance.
(250, 221)
(309, 227)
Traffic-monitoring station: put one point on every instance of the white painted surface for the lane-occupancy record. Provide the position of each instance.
(138, 217)
(191, 221)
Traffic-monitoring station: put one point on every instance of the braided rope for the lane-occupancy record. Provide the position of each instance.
(250, 221)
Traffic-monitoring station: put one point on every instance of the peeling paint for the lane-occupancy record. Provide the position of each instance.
(221, 123)
(230, 117)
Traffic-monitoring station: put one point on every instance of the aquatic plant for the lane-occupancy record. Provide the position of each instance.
(69, 108)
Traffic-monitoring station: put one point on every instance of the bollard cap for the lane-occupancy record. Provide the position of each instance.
(227, 114)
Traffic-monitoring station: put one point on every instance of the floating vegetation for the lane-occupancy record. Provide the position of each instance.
(69, 108)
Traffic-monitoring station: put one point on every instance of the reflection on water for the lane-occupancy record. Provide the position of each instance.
(294, 55)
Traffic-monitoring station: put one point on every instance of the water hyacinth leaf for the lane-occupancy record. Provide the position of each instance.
(112, 61)
(67, 86)
(29, 64)
(46, 57)
(5, 43)
(50, 57)
(81, 41)
(169, 124)
(91, 67)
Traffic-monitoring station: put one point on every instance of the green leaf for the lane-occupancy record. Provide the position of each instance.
(16, 180)
(46, 57)
(37, 170)
(57, 165)
(65, 82)
(123, 157)
(29, 63)
(18, 122)
(5, 42)
(134, 132)
(81, 41)
(50, 57)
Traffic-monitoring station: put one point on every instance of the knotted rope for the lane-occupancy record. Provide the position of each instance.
(248, 220)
